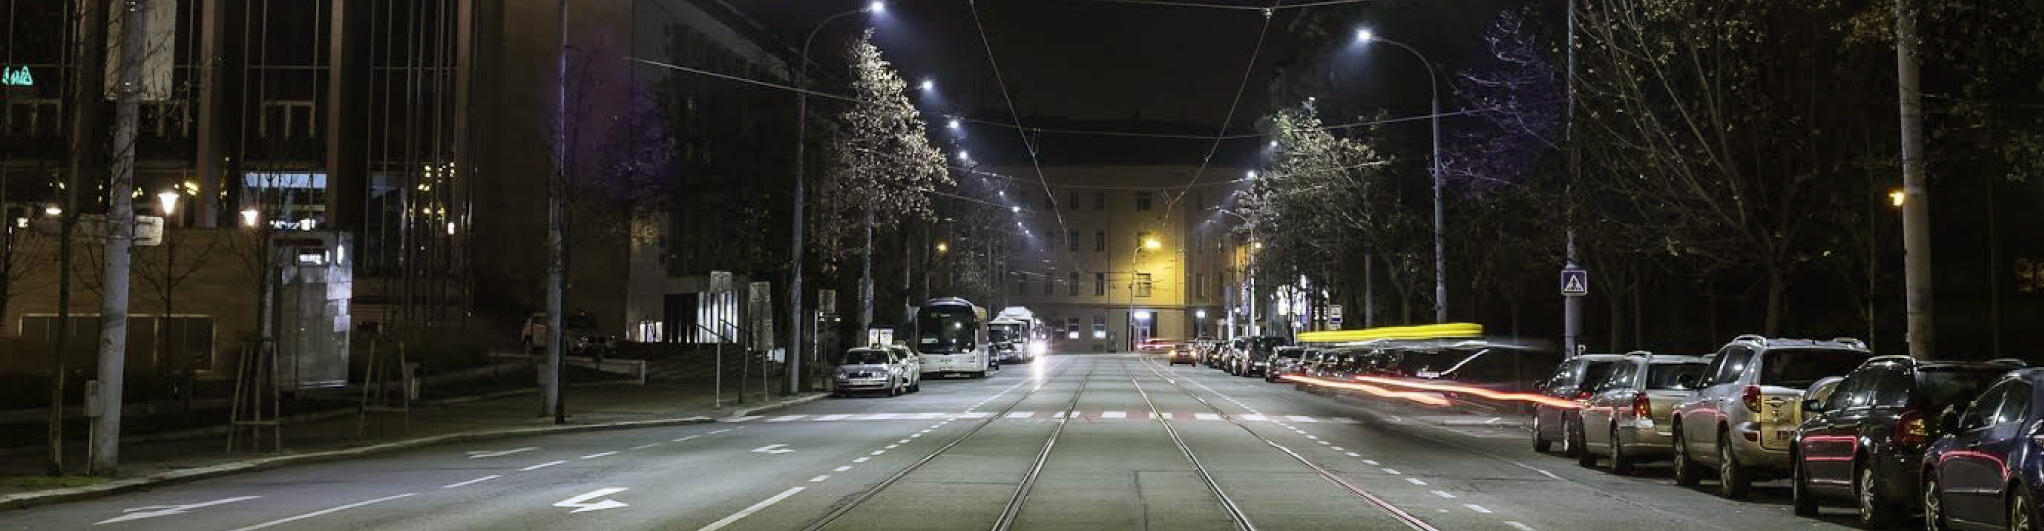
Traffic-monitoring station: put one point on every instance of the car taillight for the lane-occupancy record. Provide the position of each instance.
(1752, 398)
(1909, 431)
(1582, 395)
(1641, 407)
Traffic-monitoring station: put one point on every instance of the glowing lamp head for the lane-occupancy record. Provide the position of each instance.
(250, 217)
(1142, 316)
(1365, 35)
(168, 200)
(1152, 244)
(1015, 209)
(928, 84)
(1200, 314)
(965, 155)
(1897, 198)
(943, 247)
(954, 125)
(876, 7)
(52, 210)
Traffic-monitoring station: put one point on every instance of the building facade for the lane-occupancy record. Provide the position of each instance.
(1139, 255)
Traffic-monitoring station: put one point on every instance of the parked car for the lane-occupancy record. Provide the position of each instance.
(1255, 360)
(1287, 360)
(1988, 471)
(1572, 380)
(1627, 416)
(1865, 441)
(1743, 419)
(874, 368)
(912, 365)
(582, 336)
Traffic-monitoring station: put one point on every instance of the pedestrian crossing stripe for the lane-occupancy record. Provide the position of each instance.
(1043, 416)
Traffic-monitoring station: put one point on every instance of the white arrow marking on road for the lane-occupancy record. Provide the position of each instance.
(582, 503)
(771, 449)
(153, 511)
(479, 454)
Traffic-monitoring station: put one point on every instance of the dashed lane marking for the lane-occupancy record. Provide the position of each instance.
(473, 481)
(1415, 481)
(819, 479)
(842, 468)
(1444, 494)
(741, 514)
(596, 455)
(540, 466)
(1519, 526)
(323, 512)
(1393, 472)
(1477, 508)
(645, 446)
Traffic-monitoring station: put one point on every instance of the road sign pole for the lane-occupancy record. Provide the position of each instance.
(1575, 284)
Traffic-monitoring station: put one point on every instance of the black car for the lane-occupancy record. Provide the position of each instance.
(1865, 442)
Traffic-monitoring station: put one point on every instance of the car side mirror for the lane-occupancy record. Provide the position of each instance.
(1948, 420)
(1813, 406)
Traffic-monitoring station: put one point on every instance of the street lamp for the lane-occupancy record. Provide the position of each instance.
(801, 140)
(249, 217)
(928, 84)
(1365, 36)
(168, 200)
(1897, 198)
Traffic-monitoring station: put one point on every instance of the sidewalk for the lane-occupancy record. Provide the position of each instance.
(591, 407)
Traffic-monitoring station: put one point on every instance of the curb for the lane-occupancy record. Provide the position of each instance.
(56, 496)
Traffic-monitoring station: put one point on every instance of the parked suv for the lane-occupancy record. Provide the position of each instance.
(1288, 360)
(1989, 471)
(1743, 419)
(1573, 380)
(1627, 416)
(1865, 441)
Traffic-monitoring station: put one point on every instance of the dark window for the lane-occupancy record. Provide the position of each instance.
(1099, 201)
(1893, 388)
(1021, 285)
(1074, 240)
(1938, 387)
(1142, 284)
(1731, 364)
(1143, 201)
(1099, 241)
(1049, 286)
(1669, 375)
(2015, 405)
(1199, 286)
(1800, 367)
(1621, 377)
(1595, 372)
(1099, 284)
(1073, 290)
(1985, 407)
(1856, 391)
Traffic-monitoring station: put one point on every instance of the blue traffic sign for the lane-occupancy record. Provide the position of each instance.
(1575, 282)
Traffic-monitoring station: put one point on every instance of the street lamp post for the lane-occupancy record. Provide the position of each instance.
(1434, 98)
(795, 249)
(1133, 278)
(167, 202)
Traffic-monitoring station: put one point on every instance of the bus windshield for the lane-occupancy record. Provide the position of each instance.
(946, 330)
(1002, 333)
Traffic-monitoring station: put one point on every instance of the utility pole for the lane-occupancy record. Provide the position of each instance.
(557, 255)
(120, 234)
(1915, 193)
(1571, 307)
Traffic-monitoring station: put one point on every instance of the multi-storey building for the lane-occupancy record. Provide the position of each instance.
(1139, 255)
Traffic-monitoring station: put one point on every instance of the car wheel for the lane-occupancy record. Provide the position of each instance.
(1933, 504)
(1687, 471)
(1874, 511)
(2020, 518)
(1584, 456)
(1540, 444)
(1733, 479)
(1570, 446)
(1620, 464)
(1805, 502)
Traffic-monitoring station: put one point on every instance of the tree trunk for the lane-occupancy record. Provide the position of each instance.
(1777, 285)
(1369, 289)
(866, 277)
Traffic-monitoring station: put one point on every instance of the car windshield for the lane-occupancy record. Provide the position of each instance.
(1594, 373)
(866, 357)
(1000, 333)
(1800, 367)
(1942, 386)
(1669, 375)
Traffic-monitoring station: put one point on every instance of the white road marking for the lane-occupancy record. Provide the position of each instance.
(1309, 436)
(1325, 442)
(1302, 418)
(1444, 494)
(862, 459)
(602, 454)
(645, 446)
(903, 441)
(323, 512)
(1343, 420)
(1353, 454)
(1519, 526)
(975, 415)
(893, 446)
(772, 449)
(1415, 481)
(786, 418)
(1371, 462)
(877, 452)
(914, 435)
(1058, 415)
(685, 439)
(1170, 416)
(1338, 449)
(582, 503)
(740, 515)
(153, 511)
(819, 479)
(1393, 472)
(1253, 418)
(540, 466)
(473, 481)
(827, 418)
(842, 468)
(1477, 508)
(1114, 414)
(1206, 416)
(479, 454)
(1019, 414)
(1550, 475)
(738, 419)
(720, 431)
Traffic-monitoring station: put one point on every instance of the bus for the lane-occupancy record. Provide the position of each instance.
(1017, 335)
(951, 336)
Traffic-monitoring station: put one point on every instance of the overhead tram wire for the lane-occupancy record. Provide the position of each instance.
(1248, 72)
(1035, 164)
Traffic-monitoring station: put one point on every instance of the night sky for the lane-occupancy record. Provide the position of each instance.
(1093, 64)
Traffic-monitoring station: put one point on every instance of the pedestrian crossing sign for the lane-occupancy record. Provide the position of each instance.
(1575, 282)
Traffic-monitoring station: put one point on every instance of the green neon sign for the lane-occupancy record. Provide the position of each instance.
(16, 76)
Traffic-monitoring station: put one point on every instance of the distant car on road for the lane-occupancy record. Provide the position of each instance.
(582, 335)
(877, 368)
(1182, 354)
(1627, 416)
(1865, 441)
(1743, 419)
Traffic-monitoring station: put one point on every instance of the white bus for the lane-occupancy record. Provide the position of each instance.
(1017, 335)
(951, 336)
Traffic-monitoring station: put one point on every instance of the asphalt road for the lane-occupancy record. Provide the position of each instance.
(1071, 442)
